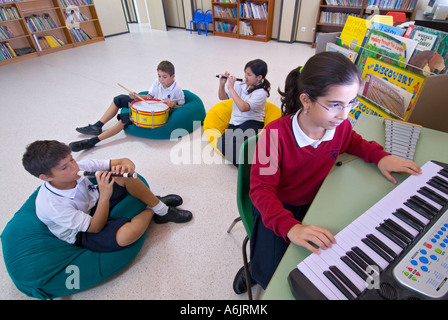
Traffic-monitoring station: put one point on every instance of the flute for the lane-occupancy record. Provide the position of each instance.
(219, 76)
(93, 173)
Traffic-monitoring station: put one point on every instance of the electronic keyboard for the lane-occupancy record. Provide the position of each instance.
(397, 249)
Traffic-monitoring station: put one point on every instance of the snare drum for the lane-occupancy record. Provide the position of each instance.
(153, 114)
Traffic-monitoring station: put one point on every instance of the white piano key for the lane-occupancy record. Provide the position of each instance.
(316, 280)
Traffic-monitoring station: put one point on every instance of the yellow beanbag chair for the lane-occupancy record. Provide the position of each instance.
(218, 117)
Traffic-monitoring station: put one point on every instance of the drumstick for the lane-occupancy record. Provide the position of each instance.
(237, 79)
(148, 102)
(340, 163)
(94, 173)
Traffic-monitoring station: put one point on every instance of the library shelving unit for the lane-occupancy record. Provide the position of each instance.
(30, 28)
(243, 19)
(332, 14)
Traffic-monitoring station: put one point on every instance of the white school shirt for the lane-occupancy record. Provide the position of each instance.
(256, 100)
(66, 212)
(174, 91)
(303, 140)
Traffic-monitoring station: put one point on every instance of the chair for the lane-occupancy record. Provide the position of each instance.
(198, 17)
(243, 201)
(208, 19)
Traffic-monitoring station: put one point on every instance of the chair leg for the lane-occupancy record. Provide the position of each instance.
(246, 268)
(233, 224)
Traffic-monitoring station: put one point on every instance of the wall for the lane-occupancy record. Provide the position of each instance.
(111, 16)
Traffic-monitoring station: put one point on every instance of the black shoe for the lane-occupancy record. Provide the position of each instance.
(239, 283)
(171, 200)
(81, 145)
(174, 215)
(90, 129)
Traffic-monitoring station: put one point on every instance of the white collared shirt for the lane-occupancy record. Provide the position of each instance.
(303, 140)
(174, 91)
(256, 100)
(66, 212)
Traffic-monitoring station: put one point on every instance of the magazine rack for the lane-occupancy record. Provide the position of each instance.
(430, 106)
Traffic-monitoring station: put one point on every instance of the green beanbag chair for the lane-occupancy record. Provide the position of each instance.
(218, 117)
(45, 267)
(185, 118)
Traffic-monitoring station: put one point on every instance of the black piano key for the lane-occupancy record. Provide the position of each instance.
(355, 268)
(395, 232)
(400, 229)
(377, 249)
(382, 245)
(391, 236)
(441, 181)
(444, 172)
(414, 206)
(338, 273)
(434, 196)
(366, 258)
(409, 219)
(425, 204)
(438, 186)
(339, 285)
(361, 263)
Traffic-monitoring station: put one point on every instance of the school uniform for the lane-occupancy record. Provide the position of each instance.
(67, 213)
(243, 125)
(286, 174)
(157, 91)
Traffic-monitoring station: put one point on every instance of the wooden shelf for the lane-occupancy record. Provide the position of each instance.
(27, 38)
(360, 11)
(261, 27)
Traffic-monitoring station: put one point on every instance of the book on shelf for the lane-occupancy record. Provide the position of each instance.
(224, 12)
(353, 33)
(226, 1)
(431, 54)
(246, 28)
(387, 47)
(6, 51)
(335, 17)
(253, 10)
(345, 3)
(406, 79)
(368, 107)
(9, 13)
(9, 1)
(6, 33)
(386, 28)
(333, 47)
(40, 22)
(386, 95)
(68, 3)
(47, 42)
(225, 27)
(79, 35)
(407, 5)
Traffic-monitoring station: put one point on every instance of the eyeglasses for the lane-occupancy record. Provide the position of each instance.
(336, 108)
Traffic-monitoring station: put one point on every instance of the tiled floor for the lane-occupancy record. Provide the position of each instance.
(47, 97)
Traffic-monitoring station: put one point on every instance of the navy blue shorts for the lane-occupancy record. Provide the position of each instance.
(123, 101)
(105, 240)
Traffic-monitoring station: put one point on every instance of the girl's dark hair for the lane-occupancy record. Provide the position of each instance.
(259, 67)
(43, 155)
(320, 72)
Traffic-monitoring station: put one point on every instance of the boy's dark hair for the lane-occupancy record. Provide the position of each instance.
(322, 71)
(167, 67)
(259, 67)
(43, 155)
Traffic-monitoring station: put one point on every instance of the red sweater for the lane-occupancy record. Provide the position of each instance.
(283, 172)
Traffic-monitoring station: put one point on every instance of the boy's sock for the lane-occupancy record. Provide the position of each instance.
(94, 141)
(99, 124)
(160, 209)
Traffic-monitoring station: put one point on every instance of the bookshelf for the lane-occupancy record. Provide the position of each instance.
(243, 19)
(332, 14)
(30, 28)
